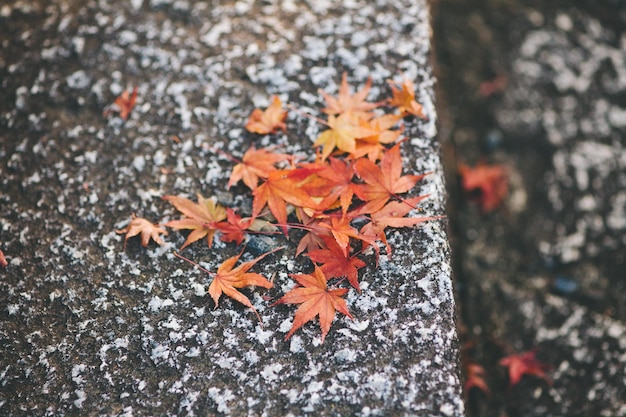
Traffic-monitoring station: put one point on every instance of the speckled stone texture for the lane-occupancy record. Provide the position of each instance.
(89, 329)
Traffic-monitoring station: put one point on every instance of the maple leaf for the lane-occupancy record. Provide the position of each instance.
(313, 239)
(316, 300)
(255, 164)
(392, 215)
(489, 181)
(123, 104)
(346, 103)
(384, 182)
(280, 188)
(268, 121)
(372, 146)
(343, 133)
(229, 278)
(341, 231)
(201, 217)
(524, 364)
(404, 99)
(334, 262)
(148, 230)
(475, 378)
(340, 173)
(234, 228)
(3, 260)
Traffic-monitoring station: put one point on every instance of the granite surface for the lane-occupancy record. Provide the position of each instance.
(88, 328)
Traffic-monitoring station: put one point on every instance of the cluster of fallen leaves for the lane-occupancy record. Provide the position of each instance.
(344, 201)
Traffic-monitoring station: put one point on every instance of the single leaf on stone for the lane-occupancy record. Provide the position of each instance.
(343, 133)
(384, 181)
(201, 218)
(524, 364)
(486, 184)
(255, 164)
(316, 300)
(269, 120)
(148, 230)
(3, 260)
(229, 279)
(404, 99)
(334, 262)
(347, 103)
(123, 104)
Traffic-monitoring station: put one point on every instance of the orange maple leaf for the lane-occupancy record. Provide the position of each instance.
(255, 164)
(392, 215)
(343, 133)
(3, 260)
(201, 217)
(334, 262)
(313, 239)
(147, 229)
(404, 99)
(489, 181)
(123, 104)
(524, 364)
(372, 146)
(282, 187)
(229, 278)
(341, 231)
(346, 103)
(268, 121)
(384, 182)
(316, 300)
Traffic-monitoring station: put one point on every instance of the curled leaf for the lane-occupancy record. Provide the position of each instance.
(148, 230)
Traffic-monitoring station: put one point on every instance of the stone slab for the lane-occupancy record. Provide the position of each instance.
(87, 328)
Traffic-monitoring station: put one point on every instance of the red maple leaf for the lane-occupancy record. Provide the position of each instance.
(524, 364)
(201, 217)
(316, 300)
(334, 262)
(268, 121)
(234, 228)
(255, 164)
(384, 182)
(346, 103)
(123, 104)
(148, 230)
(489, 182)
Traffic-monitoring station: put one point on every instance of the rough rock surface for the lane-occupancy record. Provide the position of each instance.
(87, 328)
